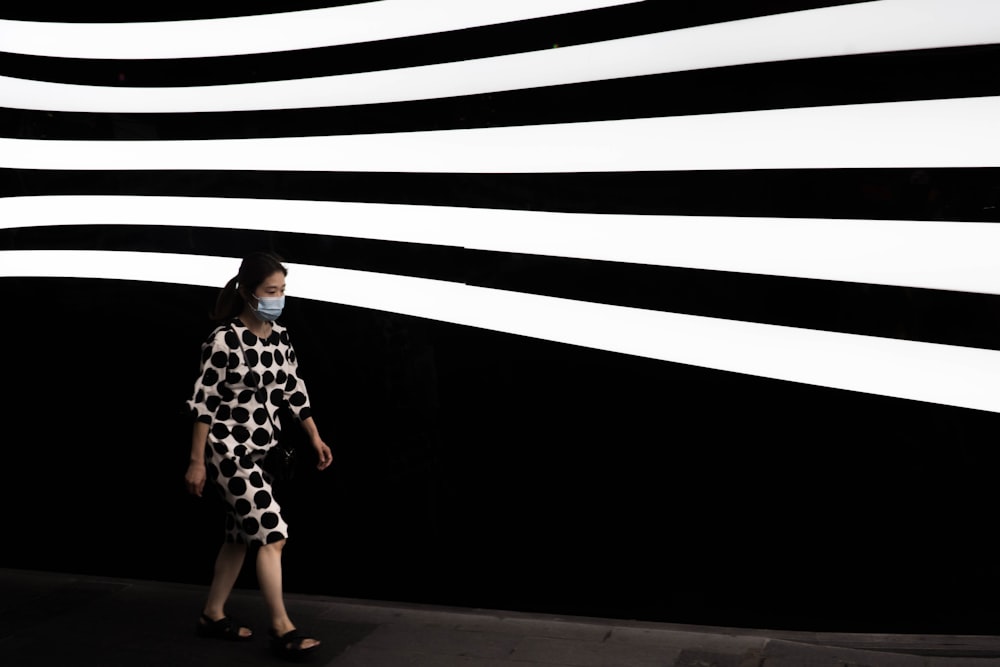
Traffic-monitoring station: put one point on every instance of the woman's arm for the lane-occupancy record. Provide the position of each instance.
(195, 476)
(322, 451)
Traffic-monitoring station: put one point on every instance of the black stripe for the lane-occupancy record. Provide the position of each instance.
(405, 259)
(882, 77)
(935, 316)
(680, 14)
(162, 10)
(960, 194)
(480, 42)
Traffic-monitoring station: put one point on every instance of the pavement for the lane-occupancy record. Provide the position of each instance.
(72, 620)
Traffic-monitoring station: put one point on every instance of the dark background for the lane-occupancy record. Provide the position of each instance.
(483, 469)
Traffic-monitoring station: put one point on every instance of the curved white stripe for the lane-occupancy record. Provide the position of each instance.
(286, 31)
(924, 254)
(949, 375)
(934, 133)
(914, 24)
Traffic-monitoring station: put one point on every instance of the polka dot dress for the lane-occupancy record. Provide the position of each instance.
(231, 397)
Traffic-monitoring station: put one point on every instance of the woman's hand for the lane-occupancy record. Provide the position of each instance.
(194, 478)
(323, 454)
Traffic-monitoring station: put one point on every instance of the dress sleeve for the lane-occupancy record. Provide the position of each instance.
(211, 388)
(295, 392)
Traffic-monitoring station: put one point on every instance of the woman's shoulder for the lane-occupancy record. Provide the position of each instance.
(223, 334)
(281, 331)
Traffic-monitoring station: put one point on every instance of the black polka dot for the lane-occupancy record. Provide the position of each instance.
(246, 462)
(222, 414)
(291, 383)
(269, 520)
(261, 437)
(232, 342)
(255, 479)
(234, 360)
(284, 337)
(237, 486)
(219, 431)
(261, 395)
(210, 377)
(220, 359)
(281, 377)
(225, 393)
(277, 397)
(248, 337)
(266, 359)
(291, 356)
(268, 378)
(262, 499)
(241, 433)
(260, 416)
(212, 403)
(252, 357)
(274, 537)
(297, 399)
(243, 506)
(241, 451)
(241, 415)
(251, 379)
(227, 467)
(219, 448)
(232, 377)
(250, 526)
(245, 396)
(279, 358)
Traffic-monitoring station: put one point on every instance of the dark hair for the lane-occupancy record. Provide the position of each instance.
(254, 269)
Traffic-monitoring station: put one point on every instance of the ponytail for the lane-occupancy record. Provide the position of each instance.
(229, 303)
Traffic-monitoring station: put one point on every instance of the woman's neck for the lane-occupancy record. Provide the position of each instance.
(257, 326)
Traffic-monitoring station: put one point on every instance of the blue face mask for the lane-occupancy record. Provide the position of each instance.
(269, 307)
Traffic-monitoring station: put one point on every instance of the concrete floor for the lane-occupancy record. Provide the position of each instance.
(70, 620)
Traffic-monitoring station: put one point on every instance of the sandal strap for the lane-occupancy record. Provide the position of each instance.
(224, 627)
(291, 640)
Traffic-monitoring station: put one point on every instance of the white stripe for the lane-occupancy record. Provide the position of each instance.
(285, 31)
(958, 256)
(934, 373)
(834, 31)
(935, 133)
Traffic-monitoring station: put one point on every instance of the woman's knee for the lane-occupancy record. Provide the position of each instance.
(274, 547)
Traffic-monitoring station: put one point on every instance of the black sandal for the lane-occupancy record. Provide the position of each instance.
(289, 645)
(224, 628)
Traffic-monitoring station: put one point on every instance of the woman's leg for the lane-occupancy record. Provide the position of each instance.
(228, 564)
(269, 577)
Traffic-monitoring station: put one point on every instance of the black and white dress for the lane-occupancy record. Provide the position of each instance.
(231, 397)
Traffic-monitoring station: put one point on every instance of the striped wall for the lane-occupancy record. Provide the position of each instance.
(798, 193)
(806, 151)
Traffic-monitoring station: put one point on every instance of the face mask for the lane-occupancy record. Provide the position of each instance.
(269, 307)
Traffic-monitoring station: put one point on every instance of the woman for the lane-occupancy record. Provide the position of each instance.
(248, 370)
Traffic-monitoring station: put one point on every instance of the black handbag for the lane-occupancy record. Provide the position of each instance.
(280, 460)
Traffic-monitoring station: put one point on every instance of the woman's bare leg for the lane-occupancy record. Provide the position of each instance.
(269, 578)
(228, 564)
